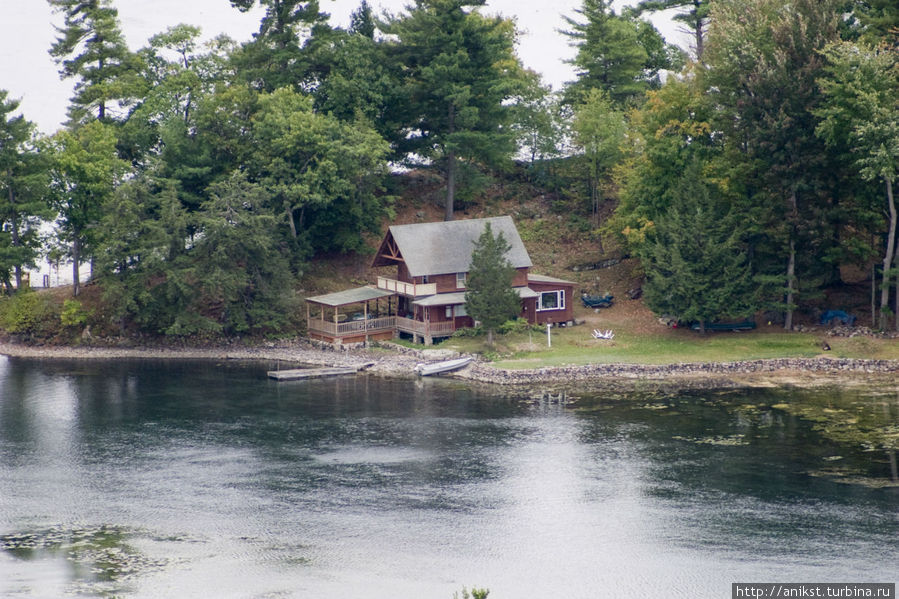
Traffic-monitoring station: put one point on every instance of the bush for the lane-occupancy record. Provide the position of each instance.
(73, 314)
(517, 325)
(30, 315)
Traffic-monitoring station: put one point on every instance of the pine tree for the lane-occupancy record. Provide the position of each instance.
(460, 71)
(490, 298)
(696, 267)
(92, 48)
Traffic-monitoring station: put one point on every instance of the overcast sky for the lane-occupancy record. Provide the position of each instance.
(27, 72)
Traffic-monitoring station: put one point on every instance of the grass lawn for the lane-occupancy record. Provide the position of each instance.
(575, 345)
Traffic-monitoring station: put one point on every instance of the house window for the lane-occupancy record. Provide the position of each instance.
(460, 279)
(424, 280)
(551, 300)
(455, 311)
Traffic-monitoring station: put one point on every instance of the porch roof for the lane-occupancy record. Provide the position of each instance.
(349, 296)
(545, 279)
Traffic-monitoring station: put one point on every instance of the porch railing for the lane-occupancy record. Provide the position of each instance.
(378, 325)
(352, 327)
(408, 289)
(432, 329)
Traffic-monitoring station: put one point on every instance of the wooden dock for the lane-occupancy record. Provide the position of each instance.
(308, 373)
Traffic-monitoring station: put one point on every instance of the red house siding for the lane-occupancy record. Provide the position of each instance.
(553, 316)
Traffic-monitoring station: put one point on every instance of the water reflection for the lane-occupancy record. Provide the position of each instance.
(206, 479)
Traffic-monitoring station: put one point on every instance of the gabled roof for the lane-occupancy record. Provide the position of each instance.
(446, 247)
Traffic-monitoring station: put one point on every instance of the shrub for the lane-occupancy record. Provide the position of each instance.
(29, 314)
(73, 314)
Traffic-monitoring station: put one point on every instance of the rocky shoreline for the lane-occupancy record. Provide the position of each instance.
(397, 361)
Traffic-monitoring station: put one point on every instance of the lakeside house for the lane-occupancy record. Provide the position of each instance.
(425, 298)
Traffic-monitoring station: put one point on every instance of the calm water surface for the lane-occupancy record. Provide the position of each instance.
(154, 479)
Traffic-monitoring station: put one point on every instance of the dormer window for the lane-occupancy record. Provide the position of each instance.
(460, 279)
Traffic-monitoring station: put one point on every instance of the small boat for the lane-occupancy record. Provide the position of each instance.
(597, 301)
(439, 367)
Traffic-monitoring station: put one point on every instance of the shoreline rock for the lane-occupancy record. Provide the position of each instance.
(399, 362)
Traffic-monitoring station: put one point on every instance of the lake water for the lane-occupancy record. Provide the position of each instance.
(202, 479)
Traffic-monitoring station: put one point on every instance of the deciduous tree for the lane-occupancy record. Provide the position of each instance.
(861, 109)
(84, 173)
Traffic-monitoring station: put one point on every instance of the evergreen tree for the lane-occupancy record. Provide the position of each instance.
(617, 54)
(278, 55)
(459, 72)
(764, 58)
(242, 271)
(91, 48)
(694, 14)
(696, 265)
(23, 204)
(489, 297)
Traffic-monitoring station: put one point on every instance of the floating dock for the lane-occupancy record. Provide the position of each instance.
(308, 373)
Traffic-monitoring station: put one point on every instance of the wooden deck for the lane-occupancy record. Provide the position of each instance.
(359, 330)
(297, 374)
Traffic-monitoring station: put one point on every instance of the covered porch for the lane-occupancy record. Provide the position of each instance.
(352, 316)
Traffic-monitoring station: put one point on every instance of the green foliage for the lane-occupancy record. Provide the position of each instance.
(475, 593)
(694, 14)
(30, 315)
(517, 325)
(696, 265)
(275, 57)
(600, 132)
(460, 71)
(73, 313)
(91, 48)
(23, 202)
(618, 55)
(490, 298)
(85, 170)
(307, 162)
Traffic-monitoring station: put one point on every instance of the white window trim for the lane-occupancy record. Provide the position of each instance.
(560, 300)
(461, 278)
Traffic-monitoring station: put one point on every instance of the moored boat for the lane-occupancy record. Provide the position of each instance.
(440, 367)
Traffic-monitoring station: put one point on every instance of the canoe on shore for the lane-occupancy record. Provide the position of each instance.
(439, 367)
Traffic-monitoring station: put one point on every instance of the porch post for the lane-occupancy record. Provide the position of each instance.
(365, 321)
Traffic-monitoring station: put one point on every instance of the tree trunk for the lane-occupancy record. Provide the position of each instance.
(896, 288)
(791, 275)
(450, 185)
(14, 221)
(873, 294)
(76, 258)
(698, 32)
(791, 262)
(450, 166)
(888, 256)
(490, 337)
(290, 221)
